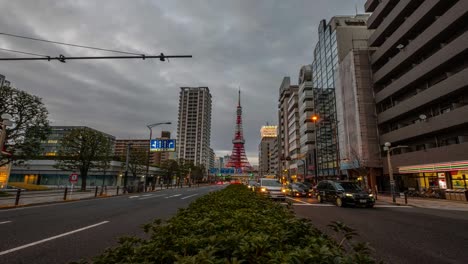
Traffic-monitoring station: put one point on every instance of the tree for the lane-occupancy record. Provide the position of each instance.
(105, 161)
(30, 124)
(137, 161)
(172, 168)
(82, 149)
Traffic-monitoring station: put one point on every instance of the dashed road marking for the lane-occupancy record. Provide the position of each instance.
(144, 195)
(173, 196)
(318, 205)
(188, 196)
(5, 222)
(135, 196)
(52, 238)
(153, 196)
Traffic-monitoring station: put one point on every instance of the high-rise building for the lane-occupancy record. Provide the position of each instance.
(212, 159)
(288, 128)
(51, 145)
(268, 139)
(336, 39)
(420, 80)
(194, 125)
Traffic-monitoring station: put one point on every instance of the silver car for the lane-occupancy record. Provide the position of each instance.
(272, 188)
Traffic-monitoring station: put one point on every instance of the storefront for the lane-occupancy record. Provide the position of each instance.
(447, 175)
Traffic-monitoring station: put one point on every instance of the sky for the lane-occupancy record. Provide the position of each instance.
(236, 43)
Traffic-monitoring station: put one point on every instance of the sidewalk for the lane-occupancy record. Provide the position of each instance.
(440, 204)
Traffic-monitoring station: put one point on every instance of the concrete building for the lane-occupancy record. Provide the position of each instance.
(288, 129)
(212, 159)
(420, 80)
(336, 38)
(50, 146)
(268, 135)
(156, 158)
(306, 125)
(194, 125)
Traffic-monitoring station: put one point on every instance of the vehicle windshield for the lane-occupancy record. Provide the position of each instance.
(252, 182)
(347, 186)
(271, 183)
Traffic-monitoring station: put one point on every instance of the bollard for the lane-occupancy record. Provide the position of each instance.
(95, 192)
(65, 193)
(18, 194)
(406, 198)
(117, 193)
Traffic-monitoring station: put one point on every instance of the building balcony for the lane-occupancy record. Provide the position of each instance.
(381, 9)
(439, 59)
(408, 25)
(450, 85)
(430, 35)
(448, 120)
(391, 21)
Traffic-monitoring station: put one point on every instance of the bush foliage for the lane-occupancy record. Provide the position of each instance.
(234, 225)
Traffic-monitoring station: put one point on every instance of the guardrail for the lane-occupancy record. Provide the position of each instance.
(21, 197)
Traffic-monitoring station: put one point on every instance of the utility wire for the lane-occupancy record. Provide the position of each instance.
(63, 59)
(23, 52)
(68, 44)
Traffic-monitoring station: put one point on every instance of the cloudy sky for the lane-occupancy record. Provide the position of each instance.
(246, 43)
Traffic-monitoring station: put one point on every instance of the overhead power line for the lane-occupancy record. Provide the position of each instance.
(63, 59)
(68, 44)
(23, 52)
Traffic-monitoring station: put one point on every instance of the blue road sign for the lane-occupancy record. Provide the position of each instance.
(163, 145)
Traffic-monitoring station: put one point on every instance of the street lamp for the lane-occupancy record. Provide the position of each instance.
(389, 149)
(6, 122)
(150, 127)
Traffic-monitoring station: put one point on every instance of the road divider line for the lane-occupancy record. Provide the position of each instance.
(144, 195)
(5, 222)
(51, 238)
(189, 196)
(149, 197)
(318, 205)
(173, 196)
(135, 196)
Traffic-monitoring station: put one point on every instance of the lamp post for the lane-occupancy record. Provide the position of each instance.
(126, 168)
(389, 149)
(6, 122)
(150, 127)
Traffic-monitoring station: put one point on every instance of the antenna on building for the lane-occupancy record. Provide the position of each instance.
(355, 6)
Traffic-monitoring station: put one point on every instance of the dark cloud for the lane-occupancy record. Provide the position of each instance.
(251, 44)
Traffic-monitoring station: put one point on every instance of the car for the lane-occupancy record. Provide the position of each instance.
(307, 187)
(296, 190)
(343, 193)
(251, 184)
(272, 188)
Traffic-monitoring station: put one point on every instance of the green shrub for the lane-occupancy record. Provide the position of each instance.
(234, 225)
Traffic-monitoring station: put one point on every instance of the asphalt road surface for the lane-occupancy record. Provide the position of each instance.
(399, 234)
(60, 233)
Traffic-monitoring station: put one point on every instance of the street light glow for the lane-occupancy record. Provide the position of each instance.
(314, 118)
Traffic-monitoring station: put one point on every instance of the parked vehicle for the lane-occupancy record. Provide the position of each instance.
(271, 188)
(344, 193)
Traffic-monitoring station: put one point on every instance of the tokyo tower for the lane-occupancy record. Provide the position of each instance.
(238, 158)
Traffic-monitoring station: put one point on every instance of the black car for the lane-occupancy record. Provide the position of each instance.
(295, 189)
(344, 193)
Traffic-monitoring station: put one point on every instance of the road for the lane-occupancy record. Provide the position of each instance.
(60, 233)
(399, 234)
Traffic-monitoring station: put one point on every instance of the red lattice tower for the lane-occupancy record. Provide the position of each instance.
(238, 158)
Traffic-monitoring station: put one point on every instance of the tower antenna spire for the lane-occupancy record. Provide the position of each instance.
(238, 103)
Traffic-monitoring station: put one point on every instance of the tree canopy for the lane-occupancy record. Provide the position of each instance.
(30, 124)
(83, 149)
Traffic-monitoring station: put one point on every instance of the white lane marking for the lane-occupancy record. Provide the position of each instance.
(391, 206)
(188, 196)
(52, 238)
(318, 205)
(5, 222)
(297, 200)
(135, 196)
(151, 197)
(173, 196)
(144, 195)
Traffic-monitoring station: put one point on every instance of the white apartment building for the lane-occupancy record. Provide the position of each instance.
(194, 125)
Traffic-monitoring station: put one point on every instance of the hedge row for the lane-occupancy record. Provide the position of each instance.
(234, 225)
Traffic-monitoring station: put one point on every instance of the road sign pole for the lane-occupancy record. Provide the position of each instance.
(71, 191)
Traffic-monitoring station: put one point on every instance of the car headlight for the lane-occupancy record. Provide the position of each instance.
(371, 195)
(263, 189)
(348, 195)
(283, 190)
